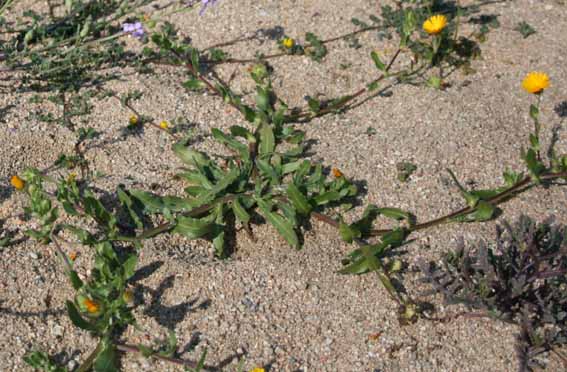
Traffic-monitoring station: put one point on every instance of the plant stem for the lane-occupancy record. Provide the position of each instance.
(276, 55)
(305, 112)
(495, 200)
(167, 226)
(186, 363)
(88, 363)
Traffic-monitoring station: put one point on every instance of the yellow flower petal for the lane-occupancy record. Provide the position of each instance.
(258, 370)
(164, 125)
(128, 296)
(17, 182)
(435, 24)
(133, 120)
(535, 82)
(288, 42)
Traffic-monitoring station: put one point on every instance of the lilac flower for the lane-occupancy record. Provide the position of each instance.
(135, 29)
(205, 4)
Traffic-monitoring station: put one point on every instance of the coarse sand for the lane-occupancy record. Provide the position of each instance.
(270, 304)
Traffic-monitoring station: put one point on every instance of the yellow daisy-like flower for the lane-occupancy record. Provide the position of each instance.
(435, 24)
(288, 42)
(17, 182)
(337, 173)
(133, 120)
(164, 125)
(91, 306)
(258, 370)
(535, 82)
(128, 296)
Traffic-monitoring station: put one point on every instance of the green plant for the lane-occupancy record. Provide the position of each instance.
(266, 175)
(525, 29)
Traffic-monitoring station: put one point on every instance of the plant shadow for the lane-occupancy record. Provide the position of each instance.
(168, 316)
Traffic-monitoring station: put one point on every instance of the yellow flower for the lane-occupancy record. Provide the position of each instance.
(337, 173)
(258, 370)
(133, 120)
(128, 296)
(91, 306)
(288, 42)
(435, 24)
(164, 125)
(17, 182)
(535, 82)
(71, 177)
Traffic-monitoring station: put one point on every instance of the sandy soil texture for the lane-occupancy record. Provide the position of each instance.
(281, 308)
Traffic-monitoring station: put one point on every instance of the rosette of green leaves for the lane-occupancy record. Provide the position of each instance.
(266, 174)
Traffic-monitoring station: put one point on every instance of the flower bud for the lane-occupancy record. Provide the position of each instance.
(17, 182)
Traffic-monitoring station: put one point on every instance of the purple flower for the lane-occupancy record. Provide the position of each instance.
(205, 4)
(135, 29)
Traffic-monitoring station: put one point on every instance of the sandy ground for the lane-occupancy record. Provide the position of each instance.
(284, 309)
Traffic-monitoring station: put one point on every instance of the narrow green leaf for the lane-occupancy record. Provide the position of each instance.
(176, 204)
(364, 259)
(535, 167)
(193, 84)
(283, 226)
(130, 206)
(327, 197)
(195, 61)
(534, 112)
(239, 211)
(193, 228)
(484, 211)
(267, 143)
(152, 203)
(76, 317)
(239, 131)
(267, 170)
(188, 156)
(262, 99)
(394, 238)
(314, 105)
(129, 266)
(300, 202)
(95, 209)
(395, 213)
(106, 360)
(76, 282)
(378, 62)
(232, 143)
(349, 232)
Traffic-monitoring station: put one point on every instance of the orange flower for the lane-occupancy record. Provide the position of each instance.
(435, 24)
(17, 182)
(535, 82)
(91, 306)
(337, 173)
(73, 256)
